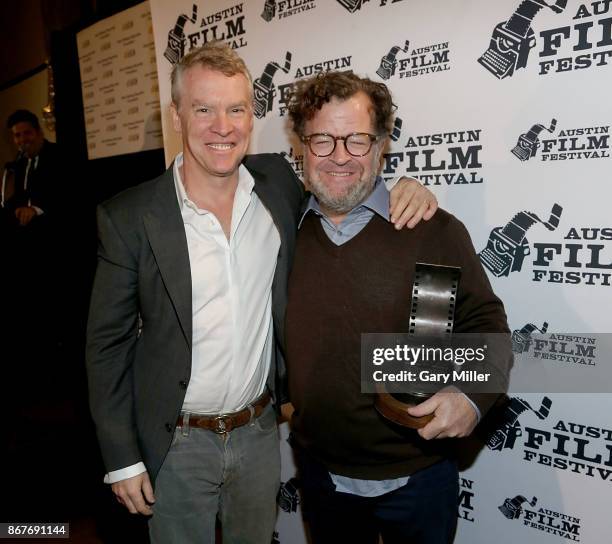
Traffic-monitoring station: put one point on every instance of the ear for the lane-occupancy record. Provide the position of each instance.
(176, 119)
(381, 147)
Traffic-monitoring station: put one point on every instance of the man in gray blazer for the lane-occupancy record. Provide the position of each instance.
(185, 331)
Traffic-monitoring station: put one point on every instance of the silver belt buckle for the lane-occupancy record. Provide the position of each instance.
(220, 425)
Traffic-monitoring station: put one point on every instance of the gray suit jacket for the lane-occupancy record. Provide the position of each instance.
(137, 380)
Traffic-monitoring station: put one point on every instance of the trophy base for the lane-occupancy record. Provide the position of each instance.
(395, 410)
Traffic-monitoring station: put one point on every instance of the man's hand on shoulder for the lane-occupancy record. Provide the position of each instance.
(454, 415)
(411, 202)
(135, 493)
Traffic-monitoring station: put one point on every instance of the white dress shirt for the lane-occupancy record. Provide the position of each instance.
(231, 303)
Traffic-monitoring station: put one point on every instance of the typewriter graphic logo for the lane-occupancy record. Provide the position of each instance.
(509, 429)
(512, 40)
(176, 36)
(269, 10)
(352, 5)
(288, 497)
(528, 142)
(521, 338)
(513, 508)
(264, 90)
(508, 246)
(388, 63)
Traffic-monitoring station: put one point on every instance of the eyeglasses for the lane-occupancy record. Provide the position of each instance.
(357, 144)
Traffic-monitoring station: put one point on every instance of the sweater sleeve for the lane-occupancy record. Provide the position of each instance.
(479, 310)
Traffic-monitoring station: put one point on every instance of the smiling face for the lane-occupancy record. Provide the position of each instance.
(215, 119)
(340, 181)
(28, 139)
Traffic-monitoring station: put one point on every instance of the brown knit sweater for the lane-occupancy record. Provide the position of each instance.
(338, 292)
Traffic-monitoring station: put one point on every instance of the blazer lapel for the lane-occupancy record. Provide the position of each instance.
(166, 232)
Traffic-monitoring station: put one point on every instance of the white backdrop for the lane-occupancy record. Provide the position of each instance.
(547, 81)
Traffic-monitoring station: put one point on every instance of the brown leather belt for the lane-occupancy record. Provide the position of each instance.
(224, 423)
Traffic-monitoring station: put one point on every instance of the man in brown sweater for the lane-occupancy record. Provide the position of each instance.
(362, 476)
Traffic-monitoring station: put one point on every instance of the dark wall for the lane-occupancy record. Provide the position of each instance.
(52, 448)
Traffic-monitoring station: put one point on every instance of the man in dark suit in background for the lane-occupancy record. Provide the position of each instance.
(32, 200)
(186, 320)
(30, 195)
(33, 189)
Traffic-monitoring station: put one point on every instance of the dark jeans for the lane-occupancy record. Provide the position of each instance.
(424, 511)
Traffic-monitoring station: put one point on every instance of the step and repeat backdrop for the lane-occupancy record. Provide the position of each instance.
(504, 112)
(119, 84)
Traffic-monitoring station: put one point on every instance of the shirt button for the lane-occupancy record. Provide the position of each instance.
(169, 427)
(183, 384)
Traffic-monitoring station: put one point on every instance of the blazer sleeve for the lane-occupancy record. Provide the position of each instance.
(112, 332)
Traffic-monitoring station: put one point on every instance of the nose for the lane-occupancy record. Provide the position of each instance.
(221, 124)
(340, 154)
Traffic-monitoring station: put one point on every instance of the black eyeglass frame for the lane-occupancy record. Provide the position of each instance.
(307, 139)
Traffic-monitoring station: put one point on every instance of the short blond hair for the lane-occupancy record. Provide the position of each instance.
(217, 56)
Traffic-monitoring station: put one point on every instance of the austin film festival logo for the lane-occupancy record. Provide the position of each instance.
(508, 246)
(420, 61)
(509, 428)
(444, 158)
(285, 8)
(266, 91)
(288, 498)
(561, 348)
(582, 257)
(580, 448)
(355, 5)
(546, 520)
(226, 25)
(466, 499)
(569, 144)
(296, 160)
(352, 5)
(566, 348)
(521, 338)
(513, 40)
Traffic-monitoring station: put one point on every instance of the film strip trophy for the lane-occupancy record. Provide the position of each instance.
(434, 293)
(512, 40)
(263, 88)
(508, 246)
